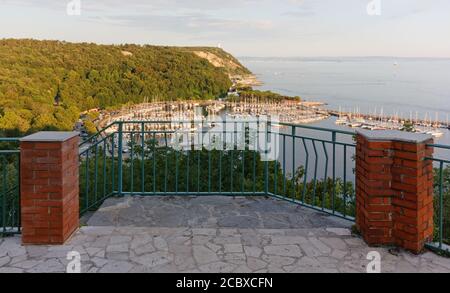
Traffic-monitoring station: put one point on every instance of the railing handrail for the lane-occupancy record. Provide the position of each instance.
(339, 131)
(434, 158)
(97, 134)
(440, 146)
(9, 152)
(97, 143)
(9, 139)
(317, 128)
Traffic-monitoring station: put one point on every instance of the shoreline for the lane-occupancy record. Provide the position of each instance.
(247, 80)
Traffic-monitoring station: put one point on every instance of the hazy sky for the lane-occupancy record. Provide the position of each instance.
(410, 28)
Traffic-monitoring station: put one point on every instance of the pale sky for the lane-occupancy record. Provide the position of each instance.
(405, 28)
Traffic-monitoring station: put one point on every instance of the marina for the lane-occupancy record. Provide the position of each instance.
(284, 111)
(394, 122)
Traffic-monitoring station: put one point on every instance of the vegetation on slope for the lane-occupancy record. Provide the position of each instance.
(44, 85)
(261, 96)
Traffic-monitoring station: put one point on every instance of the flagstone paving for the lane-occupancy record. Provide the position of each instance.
(125, 242)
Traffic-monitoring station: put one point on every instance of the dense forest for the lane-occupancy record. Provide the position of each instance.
(44, 85)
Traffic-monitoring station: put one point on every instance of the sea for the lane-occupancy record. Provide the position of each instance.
(405, 87)
(395, 85)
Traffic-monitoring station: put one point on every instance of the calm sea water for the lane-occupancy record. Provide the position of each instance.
(398, 86)
(403, 86)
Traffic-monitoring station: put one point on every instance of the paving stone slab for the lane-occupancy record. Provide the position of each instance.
(287, 238)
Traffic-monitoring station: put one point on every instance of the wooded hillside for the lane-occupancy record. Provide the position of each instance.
(44, 85)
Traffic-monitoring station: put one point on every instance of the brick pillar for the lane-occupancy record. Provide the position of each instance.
(49, 187)
(394, 197)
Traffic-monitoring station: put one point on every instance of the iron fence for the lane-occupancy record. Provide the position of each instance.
(310, 166)
(10, 187)
(98, 176)
(320, 174)
(441, 163)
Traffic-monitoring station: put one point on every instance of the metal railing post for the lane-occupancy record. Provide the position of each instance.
(333, 205)
(120, 158)
(441, 205)
(4, 189)
(266, 163)
(19, 207)
(294, 182)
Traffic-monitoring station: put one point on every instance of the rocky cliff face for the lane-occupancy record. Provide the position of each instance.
(237, 72)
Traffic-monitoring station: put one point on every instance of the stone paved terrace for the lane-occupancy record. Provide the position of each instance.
(211, 234)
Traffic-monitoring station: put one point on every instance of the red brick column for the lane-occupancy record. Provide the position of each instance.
(49, 187)
(394, 189)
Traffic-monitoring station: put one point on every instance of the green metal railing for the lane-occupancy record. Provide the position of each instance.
(98, 163)
(10, 187)
(442, 198)
(314, 166)
(322, 177)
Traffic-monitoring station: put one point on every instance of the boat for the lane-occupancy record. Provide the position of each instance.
(341, 121)
(355, 125)
(436, 133)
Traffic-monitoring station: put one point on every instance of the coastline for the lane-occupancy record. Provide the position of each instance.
(246, 80)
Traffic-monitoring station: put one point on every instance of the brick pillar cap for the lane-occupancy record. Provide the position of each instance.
(394, 135)
(50, 136)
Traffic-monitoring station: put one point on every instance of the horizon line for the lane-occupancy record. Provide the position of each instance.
(343, 57)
